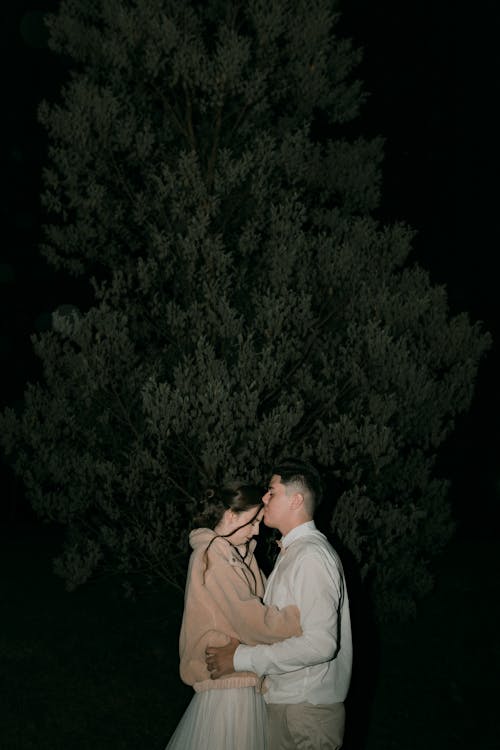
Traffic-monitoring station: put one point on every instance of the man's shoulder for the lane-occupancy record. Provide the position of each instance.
(313, 543)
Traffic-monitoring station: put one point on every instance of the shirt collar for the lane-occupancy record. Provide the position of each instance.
(296, 533)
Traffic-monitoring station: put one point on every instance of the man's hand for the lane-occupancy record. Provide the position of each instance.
(220, 660)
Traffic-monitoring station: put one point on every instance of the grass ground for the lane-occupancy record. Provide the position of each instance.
(92, 671)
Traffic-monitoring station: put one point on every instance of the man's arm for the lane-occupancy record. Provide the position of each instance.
(220, 660)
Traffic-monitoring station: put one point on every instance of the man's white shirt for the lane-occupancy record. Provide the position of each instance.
(315, 666)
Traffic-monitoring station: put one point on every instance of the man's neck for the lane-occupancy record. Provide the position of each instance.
(285, 530)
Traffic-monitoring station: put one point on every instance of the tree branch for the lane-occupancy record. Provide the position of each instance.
(177, 119)
(189, 118)
(215, 145)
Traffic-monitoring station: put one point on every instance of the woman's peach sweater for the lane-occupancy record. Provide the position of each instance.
(223, 598)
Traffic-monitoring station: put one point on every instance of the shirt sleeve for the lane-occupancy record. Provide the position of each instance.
(318, 591)
(253, 621)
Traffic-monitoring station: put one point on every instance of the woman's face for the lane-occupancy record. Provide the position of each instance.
(249, 522)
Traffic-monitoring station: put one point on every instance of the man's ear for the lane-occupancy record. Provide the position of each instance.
(297, 501)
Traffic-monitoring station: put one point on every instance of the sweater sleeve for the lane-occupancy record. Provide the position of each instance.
(253, 621)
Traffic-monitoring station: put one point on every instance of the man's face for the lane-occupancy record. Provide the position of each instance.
(276, 504)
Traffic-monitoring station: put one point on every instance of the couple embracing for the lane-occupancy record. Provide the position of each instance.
(270, 663)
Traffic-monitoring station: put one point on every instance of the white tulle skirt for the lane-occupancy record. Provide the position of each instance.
(231, 719)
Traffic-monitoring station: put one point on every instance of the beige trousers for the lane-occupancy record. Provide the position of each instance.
(304, 726)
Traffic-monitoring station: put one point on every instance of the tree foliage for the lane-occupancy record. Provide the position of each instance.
(204, 171)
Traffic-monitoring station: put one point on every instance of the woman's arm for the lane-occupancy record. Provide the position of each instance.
(253, 622)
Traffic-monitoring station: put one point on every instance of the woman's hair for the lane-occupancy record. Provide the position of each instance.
(237, 497)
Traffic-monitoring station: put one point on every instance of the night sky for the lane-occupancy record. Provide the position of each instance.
(432, 72)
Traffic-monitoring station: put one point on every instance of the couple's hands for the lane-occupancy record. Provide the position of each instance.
(220, 660)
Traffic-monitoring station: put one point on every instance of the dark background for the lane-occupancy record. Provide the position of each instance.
(431, 70)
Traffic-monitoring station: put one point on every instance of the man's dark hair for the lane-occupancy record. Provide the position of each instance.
(295, 471)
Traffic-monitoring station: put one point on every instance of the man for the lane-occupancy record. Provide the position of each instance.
(307, 676)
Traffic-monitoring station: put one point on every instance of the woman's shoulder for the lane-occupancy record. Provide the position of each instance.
(219, 548)
(207, 542)
(199, 538)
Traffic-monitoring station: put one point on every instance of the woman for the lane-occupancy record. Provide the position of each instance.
(223, 598)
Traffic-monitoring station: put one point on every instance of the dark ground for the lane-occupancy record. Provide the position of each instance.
(92, 671)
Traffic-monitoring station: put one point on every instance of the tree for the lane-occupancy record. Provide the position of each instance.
(204, 171)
